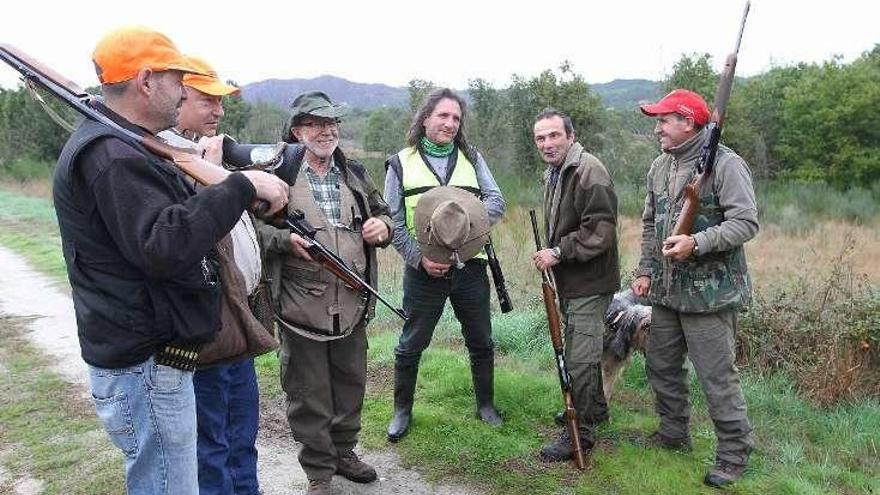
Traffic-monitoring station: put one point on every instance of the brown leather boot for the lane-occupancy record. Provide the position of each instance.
(351, 467)
(319, 487)
(724, 473)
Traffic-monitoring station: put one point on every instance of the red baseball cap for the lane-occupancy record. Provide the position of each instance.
(681, 101)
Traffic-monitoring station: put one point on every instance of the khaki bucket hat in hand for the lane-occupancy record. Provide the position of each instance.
(452, 225)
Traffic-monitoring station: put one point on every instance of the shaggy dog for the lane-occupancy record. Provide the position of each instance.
(627, 324)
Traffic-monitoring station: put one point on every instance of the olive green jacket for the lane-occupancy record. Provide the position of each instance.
(717, 278)
(580, 217)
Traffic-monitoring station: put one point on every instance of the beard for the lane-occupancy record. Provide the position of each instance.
(321, 151)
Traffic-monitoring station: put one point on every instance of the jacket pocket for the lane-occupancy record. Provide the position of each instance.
(302, 297)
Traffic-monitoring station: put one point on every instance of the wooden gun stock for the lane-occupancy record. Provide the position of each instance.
(32, 71)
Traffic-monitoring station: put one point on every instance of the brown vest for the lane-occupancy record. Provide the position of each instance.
(315, 303)
(241, 334)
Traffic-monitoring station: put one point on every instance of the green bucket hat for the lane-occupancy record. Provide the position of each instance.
(318, 104)
(315, 103)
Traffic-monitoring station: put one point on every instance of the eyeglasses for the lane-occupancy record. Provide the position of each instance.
(320, 124)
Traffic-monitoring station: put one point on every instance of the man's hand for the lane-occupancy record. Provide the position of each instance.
(641, 286)
(678, 247)
(299, 247)
(374, 231)
(269, 188)
(434, 269)
(211, 148)
(544, 259)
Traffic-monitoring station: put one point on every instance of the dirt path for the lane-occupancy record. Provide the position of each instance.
(27, 293)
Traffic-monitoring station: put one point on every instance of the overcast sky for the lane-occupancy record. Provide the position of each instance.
(448, 42)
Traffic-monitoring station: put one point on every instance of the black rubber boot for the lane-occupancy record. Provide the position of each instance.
(404, 389)
(484, 389)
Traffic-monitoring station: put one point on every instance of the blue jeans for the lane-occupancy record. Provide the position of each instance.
(228, 407)
(149, 411)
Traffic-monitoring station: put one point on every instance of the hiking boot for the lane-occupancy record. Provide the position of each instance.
(319, 487)
(560, 449)
(351, 467)
(724, 473)
(660, 440)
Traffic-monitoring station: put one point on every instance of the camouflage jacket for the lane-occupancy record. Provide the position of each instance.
(717, 279)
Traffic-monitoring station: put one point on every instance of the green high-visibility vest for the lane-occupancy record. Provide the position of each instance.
(418, 178)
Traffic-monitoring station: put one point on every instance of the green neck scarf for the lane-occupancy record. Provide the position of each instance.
(438, 150)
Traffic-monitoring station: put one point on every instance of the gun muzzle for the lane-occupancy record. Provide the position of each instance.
(252, 156)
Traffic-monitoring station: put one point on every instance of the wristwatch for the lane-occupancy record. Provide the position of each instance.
(557, 253)
(696, 251)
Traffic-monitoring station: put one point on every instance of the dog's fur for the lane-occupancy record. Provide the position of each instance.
(627, 325)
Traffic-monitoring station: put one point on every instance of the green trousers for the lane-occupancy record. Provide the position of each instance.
(708, 340)
(325, 384)
(583, 318)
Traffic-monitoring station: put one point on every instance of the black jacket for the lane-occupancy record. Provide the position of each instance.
(137, 242)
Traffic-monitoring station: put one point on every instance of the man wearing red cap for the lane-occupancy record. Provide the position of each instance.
(227, 396)
(696, 283)
(139, 245)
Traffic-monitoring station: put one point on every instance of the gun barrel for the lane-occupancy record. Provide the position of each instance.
(299, 225)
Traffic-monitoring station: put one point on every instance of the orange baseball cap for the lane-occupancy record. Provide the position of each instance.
(122, 53)
(209, 83)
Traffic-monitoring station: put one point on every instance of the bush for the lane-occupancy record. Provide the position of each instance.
(823, 330)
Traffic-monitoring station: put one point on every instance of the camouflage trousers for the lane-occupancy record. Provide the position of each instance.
(583, 318)
(708, 340)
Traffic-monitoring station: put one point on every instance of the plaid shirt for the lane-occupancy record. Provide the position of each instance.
(326, 192)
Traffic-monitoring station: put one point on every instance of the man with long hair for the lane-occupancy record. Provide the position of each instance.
(439, 155)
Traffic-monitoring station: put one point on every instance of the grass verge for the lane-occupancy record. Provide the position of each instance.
(49, 433)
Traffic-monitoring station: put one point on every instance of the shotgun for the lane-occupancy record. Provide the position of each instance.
(498, 277)
(549, 292)
(685, 223)
(297, 223)
(35, 73)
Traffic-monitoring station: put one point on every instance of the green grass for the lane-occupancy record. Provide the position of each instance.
(53, 433)
(801, 449)
(28, 227)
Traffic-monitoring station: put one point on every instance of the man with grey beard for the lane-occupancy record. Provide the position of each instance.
(322, 321)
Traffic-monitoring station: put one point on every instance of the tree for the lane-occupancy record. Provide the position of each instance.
(237, 114)
(830, 128)
(754, 117)
(385, 130)
(419, 89)
(694, 72)
(488, 126)
(567, 92)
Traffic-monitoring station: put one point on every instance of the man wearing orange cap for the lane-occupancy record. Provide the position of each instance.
(696, 283)
(139, 244)
(227, 397)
